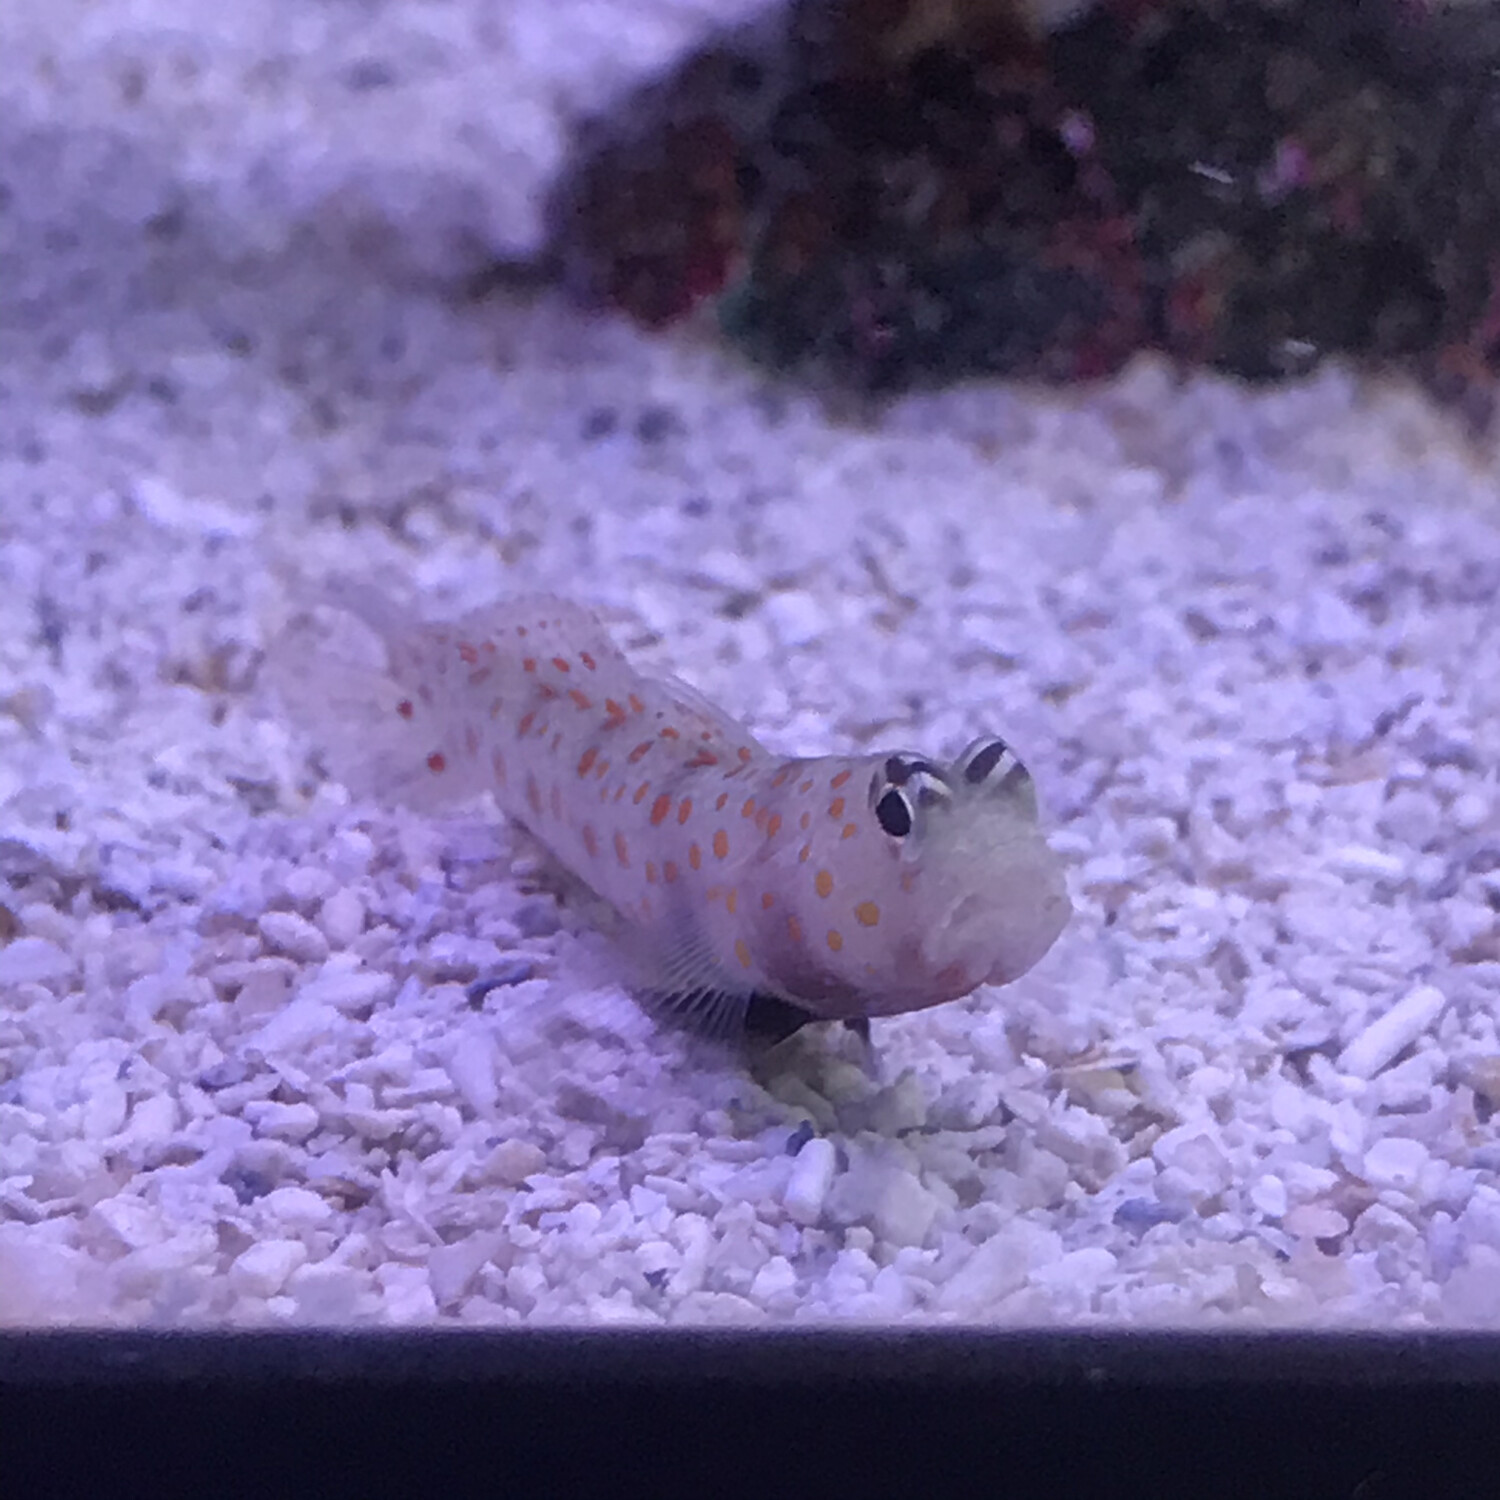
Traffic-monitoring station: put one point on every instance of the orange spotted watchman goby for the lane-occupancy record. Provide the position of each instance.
(842, 887)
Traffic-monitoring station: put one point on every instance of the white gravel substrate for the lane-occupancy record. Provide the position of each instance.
(267, 1057)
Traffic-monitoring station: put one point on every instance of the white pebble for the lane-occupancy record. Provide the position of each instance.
(295, 936)
(134, 1222)
(796, 617)
(1001, 1265)
(1386, 1037)
(285, 1122)
(451, 1268)
(347, 989)
(152, 1120)
(904, 1209)
(1268, 1196)
(1471, 1295)
(307, 884)
(1361, 862)
(43, 1284)
(470, 1064)
(1412, 817)
(1315, 1221)
(812, 1176)
(1079, 1270)
(775, 1281)
(290, 1030)
(1469, 812)
(104, 1109)
(263, 1269)
(327, 1292)
(342, 917)
(33, 960)
(350, 853)
(513, 1161)
(296, 1208)
(1396, 1162)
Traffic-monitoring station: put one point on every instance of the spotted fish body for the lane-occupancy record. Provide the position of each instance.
(843, 886)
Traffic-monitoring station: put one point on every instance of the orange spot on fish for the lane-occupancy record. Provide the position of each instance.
(467, 653)
(636, 704)
(804, 854)
(405, 709)
(640, 793)
(669, 870)
(684, 810)
(849, 830)
(695, 856)
(742, 952)
(601, 770)
(639, 751)
(561, 664)
(622, 851)
(839, 780)
(650, 872)
(805, 821)
(745, 754)
(529, 664)
(613, 709)
(581, 699)
(713, 893)
(723, 799)
(524, 727)
(794, 929)
(836, 808)
(704, 758)
(669, 733)
(773, 825)
(586, 760)
(767, 901)
(587, 660)
(823, 883)
(748, 810)
(437, 762)
(806, 786)
(546, 692)
(590, 839)
(867, 914)
(780, 778)
(835, 939)
(731, 901)
(721, 844)
(659, 810)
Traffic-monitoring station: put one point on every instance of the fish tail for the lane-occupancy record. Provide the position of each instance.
(372, 687)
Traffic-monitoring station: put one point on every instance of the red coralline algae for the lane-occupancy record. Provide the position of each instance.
(910, 192)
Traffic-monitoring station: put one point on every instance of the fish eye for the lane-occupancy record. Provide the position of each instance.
(991, 760)
(894, 813)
